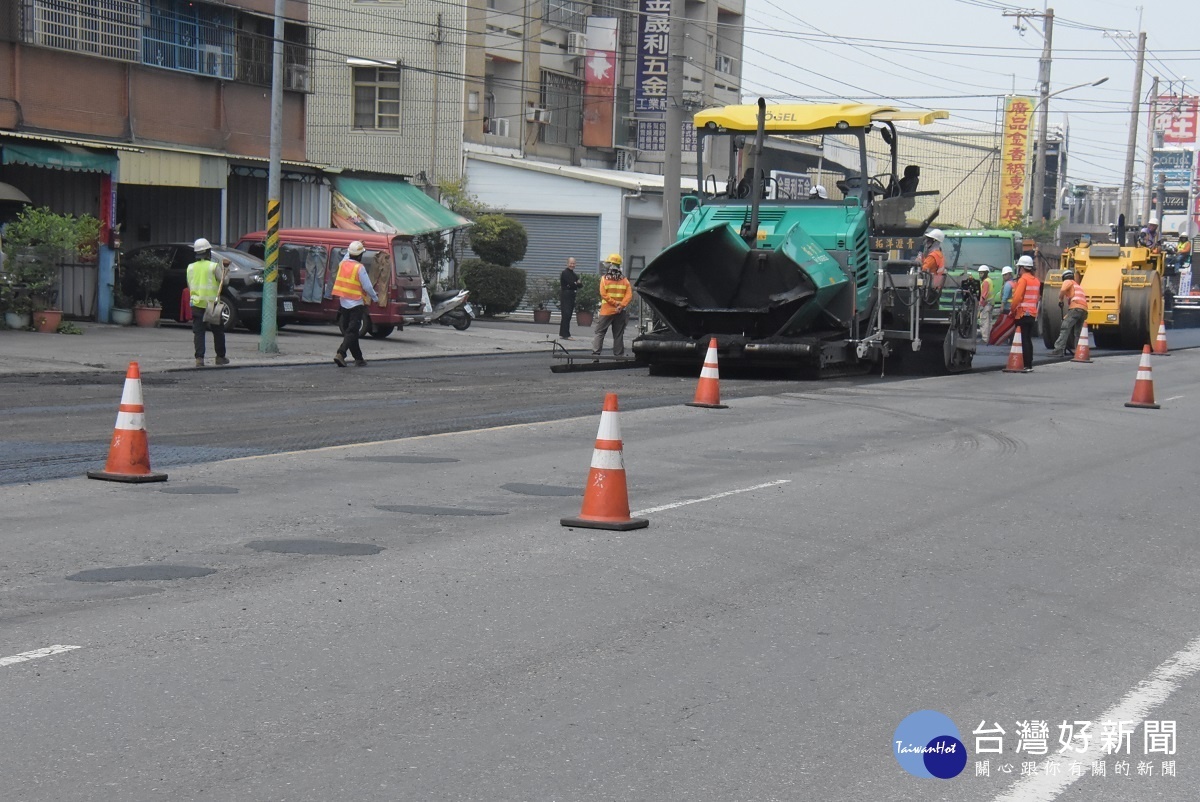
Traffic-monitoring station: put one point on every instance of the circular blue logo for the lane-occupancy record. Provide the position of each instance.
(926, 744)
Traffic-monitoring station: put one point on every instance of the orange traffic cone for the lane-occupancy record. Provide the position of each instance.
(1160, 344)
(1016, 356)
(606, 499)
(708, 390)
(1083, 351)
(1143, 388)
(129, 453)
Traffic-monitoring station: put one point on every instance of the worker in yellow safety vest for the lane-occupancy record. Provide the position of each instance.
(1073, 300)
(204, 280)
(615, 295)
(351, 286)
(1025, 296)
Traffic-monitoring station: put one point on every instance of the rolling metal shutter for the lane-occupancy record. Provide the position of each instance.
(553, 238)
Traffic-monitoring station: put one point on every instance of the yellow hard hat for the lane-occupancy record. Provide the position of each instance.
(614, 259)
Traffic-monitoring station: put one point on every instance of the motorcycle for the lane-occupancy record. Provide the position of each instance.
(450, 308)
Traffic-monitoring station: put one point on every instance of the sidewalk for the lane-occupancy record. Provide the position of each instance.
(168, 347)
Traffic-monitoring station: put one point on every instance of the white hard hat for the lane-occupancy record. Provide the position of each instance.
(1006, 271)
(1153, 220)
(935, 234)
(356, 248)
(201, 245)
(1025, 261)
(984, 269)
(818, 191)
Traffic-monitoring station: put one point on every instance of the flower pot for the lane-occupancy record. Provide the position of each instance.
(584, 319)
(146, 315)
(47, 320)
(541, 315)
(17, 320)
(121, 317)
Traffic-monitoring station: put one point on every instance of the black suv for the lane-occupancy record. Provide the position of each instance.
(242, 293)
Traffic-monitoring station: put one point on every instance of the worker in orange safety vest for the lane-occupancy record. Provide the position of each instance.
(1026, 292)
(1074, 303)
(616, 293)
(351, 286)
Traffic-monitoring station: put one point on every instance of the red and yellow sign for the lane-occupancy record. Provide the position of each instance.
(1014, 154)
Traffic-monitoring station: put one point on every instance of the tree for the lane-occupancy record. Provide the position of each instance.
(499, 239)
(437, 248)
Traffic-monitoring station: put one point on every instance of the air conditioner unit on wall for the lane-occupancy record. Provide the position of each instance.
(500, 126)
(536, 114)
(576, 44)
(296, 77)
(543, 116)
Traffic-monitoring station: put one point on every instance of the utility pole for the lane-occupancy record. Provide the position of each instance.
(1151, 136)
(1131, 147)
(672, 167)
(270, 291)
(433, 136)
(1039, 177)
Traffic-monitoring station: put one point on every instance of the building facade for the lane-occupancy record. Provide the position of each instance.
(154, 116)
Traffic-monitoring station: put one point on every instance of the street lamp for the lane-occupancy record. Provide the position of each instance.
(1039, 175)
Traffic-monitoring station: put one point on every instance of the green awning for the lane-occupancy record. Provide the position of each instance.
(60, 157)
(393, 207)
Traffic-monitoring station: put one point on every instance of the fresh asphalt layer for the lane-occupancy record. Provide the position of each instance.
(819, 564)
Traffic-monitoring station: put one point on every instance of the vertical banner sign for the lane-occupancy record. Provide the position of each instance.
(1014, 152)
(1175, 117)
(600, 82)
(654, 26)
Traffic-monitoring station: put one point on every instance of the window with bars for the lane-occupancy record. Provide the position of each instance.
(569, 14)
(109, 28)
(562, 98)
(378, 95)
(191, 37)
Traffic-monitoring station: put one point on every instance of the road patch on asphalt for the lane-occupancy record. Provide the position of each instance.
(142, 573)
(541, 490)
(414, 509)
(316, 547)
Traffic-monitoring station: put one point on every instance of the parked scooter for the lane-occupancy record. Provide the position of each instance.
(450, 308)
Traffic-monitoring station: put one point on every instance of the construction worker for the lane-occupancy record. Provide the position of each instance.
(1183, 254)
(1150, 237)
(1073, 300)
(1006, 275)
(615, 294)
(350, 287)
(204, 280)
(818, 192)
(986, 309)
(932, 259)
(1026, 292)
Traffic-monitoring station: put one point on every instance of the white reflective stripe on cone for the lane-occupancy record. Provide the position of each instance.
(1144, 375)
(131, 421)
(606, 460)
(610, 427)
(709, 372)
(132, 394)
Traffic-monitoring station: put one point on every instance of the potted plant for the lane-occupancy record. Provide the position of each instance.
(587, 300)
(121, 312)
(145, 270)
(17, 307)
(36, 243)
(543, 293)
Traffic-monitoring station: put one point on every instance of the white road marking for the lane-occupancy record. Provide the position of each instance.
(35, 654)
(709, 498)
(1174, 398)
(1149, 694)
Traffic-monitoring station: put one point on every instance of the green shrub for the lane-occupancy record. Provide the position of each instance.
(496, 289)
(35, 244)
(498, 239)
(544, 293)
(145, 270)
(587, 299)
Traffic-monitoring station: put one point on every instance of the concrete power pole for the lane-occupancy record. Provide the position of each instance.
(1038, 212)
(1131, 147)
(270, 293)
(1151, 135)
(672, 167)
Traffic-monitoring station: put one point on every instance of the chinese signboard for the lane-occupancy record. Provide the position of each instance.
(652, 136)
(1176, 116)
(1176, 165)
(600, 81)
(789, 185)
(654, 26)
(1014, 152)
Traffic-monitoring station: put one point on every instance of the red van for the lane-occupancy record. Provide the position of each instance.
(312, 255)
